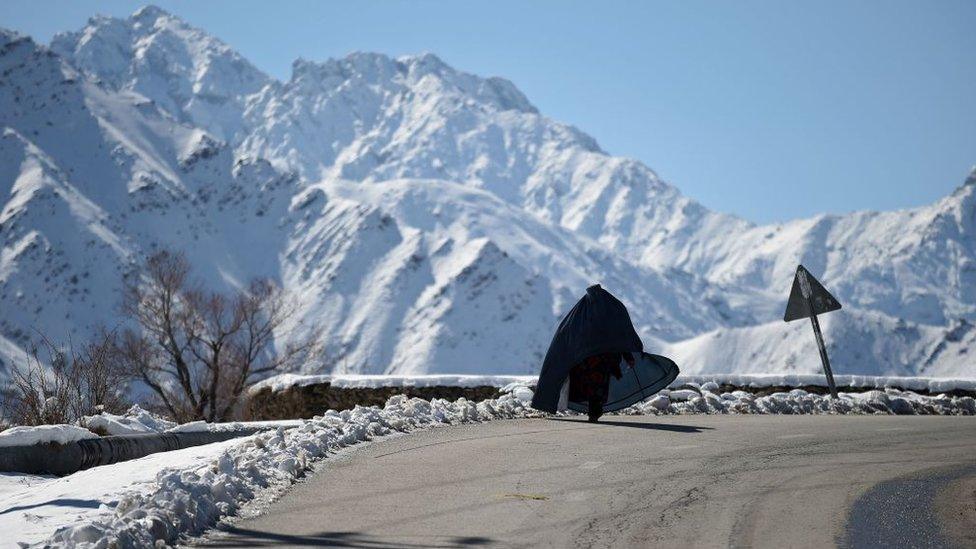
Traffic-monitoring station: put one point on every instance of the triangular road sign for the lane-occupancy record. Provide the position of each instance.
(808, 297)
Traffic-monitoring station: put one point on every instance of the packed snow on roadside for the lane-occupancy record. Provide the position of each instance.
(164, 496)
(203, 426)
(26, 436)
(909, 383)
(134, 421)
(705, 399)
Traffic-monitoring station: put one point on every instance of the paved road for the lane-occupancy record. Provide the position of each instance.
(706, 481)
(904, 512)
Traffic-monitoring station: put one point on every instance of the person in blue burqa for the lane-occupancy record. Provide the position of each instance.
(596, 361)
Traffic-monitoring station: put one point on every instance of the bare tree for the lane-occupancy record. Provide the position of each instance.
(200, 350)
(58, 384)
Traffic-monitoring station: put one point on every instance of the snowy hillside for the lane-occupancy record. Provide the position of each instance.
(425, 219)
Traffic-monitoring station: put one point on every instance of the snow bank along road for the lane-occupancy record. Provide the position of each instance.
(764, 481)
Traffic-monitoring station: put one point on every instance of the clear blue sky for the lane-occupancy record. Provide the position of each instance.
(767, 109)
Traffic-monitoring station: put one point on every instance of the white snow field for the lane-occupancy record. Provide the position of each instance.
(185, 492)
(32, 509)
(426, 220)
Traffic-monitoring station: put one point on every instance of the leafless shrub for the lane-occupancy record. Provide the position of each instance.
(59, 384)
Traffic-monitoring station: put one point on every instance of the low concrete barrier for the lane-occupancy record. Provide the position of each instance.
(64, 459)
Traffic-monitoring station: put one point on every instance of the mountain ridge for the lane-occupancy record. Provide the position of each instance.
(411, 207)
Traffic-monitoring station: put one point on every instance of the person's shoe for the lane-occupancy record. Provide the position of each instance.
(596, 410)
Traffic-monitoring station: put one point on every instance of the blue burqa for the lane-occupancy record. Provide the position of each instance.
(599, 324)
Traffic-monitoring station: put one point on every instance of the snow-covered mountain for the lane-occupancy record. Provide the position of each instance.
(423, 218)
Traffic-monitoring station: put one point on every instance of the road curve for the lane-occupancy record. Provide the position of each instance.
(637, 481)
(903, 512)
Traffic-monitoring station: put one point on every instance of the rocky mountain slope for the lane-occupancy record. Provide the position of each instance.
(423, 219)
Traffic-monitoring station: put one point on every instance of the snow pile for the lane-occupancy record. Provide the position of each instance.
(797, 401)
(914, 383)
(203, 426)
(27, 436)
(281, 382)
(134, 421)
(190, 500)
(356, 381)
(506, 383)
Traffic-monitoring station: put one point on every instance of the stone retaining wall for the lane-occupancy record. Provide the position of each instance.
(310, 400)
(306, 401)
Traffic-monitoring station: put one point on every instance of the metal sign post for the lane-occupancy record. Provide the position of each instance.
(823, 356)
(808, 295)
(808, 298)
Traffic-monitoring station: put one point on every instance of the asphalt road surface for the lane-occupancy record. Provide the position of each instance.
(639, 481)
